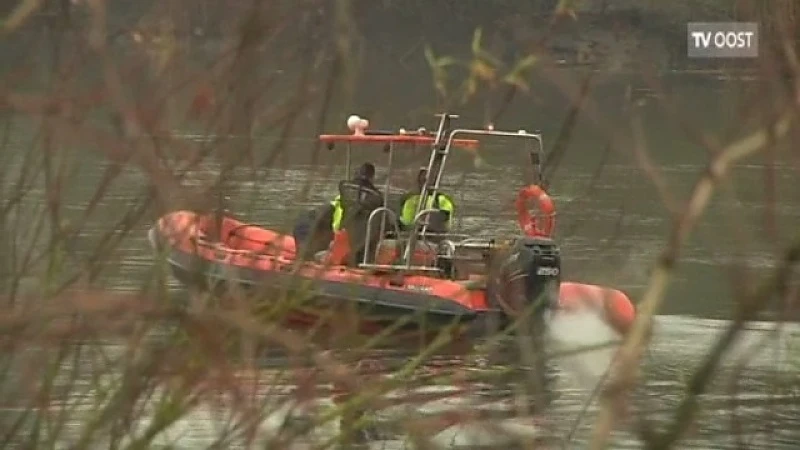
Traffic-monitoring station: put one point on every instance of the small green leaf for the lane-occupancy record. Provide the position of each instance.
(517, 81)
(489, 59)
(471, 87)
(525, 63)
(24, 10)
(566, 8)
(476, 41)
(516, 76)
(435, 61)
(446, 61)
(482, 70)
(430, 56)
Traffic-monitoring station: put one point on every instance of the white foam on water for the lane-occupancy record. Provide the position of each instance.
(572, 331)
(488, 434)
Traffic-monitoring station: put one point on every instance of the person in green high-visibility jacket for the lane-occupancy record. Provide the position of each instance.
(439, 223)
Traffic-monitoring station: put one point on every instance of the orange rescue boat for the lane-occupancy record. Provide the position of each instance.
(402, 277)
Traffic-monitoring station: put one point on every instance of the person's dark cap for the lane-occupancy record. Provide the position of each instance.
(421, 175)
(366, 170)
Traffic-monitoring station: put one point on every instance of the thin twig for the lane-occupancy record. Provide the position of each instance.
(762, 296)
(637, 339)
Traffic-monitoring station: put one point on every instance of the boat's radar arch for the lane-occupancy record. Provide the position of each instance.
(521, 134)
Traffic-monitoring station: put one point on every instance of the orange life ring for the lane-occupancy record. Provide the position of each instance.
(530, 225)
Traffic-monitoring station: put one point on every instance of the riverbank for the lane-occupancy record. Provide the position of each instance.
(617, 38)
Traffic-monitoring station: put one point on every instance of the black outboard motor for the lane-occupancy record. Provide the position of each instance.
(528, 278)
(525, 287)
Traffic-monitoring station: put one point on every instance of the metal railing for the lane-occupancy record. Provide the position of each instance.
(412, 239)
(407, 264)
(450, 245)
(536, 154)
(368, 235)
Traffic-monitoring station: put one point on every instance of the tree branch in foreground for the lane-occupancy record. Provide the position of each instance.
(631, 350)
(755, 302)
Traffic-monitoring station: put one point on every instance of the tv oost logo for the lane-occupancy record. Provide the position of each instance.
(723, 40)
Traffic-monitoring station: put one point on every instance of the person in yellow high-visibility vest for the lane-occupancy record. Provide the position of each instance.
(439, 223)
(365, 178)
(338, 212)
(316, 229)
(357, 199)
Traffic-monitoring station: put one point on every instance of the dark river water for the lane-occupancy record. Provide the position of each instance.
(611, 226)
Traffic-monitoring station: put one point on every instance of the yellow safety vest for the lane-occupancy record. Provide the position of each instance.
(410, 207)
(338, 212)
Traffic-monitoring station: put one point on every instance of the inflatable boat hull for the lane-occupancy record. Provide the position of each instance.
(309, 292)
(262, 265)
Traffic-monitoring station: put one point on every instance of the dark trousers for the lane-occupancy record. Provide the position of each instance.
(313, 230)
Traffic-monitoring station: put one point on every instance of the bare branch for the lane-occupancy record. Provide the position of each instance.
(635, 342)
